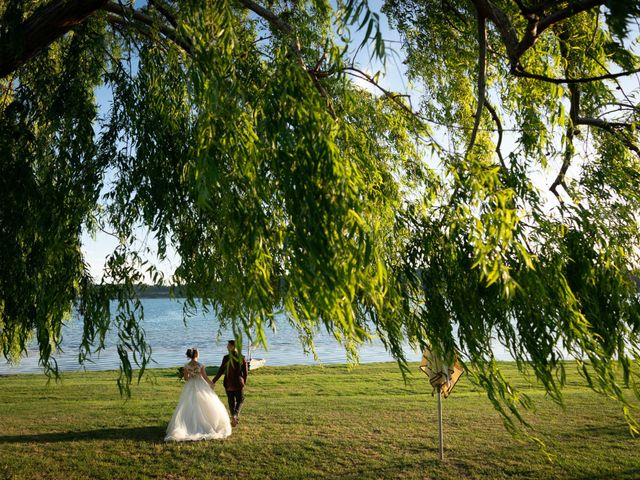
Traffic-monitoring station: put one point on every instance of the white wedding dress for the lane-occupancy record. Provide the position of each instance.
(200, 415)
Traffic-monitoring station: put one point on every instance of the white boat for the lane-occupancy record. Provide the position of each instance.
(254, 363)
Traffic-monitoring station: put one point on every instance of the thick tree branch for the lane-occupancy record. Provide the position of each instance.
(598, 122)
(43, 27)
(488, 10)
(538, 25)
(566, 162)
(52, 21)
(166, 12)
(610, 76)
(572, 9)
(482, 78)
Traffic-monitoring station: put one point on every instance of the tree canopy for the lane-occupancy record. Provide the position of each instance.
(503, 206)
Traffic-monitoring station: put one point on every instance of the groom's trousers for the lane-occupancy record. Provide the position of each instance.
(236, 399)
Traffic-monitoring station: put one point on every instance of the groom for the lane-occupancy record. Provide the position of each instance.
(235, 369)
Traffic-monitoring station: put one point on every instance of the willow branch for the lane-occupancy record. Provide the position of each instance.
(455, 11)
(268, 15)
(498, 123)
(287, 29)
(121, 23)
(568, 153)
(147, 20)
(394, 97)
(6, 92)
(613, 129)
(574, 113)
(604, 67)
(482, 74)
(539, 8)
(524, 9)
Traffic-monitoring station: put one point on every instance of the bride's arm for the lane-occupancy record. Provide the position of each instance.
(203, 374)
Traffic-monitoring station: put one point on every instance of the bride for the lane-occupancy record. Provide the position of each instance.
(200, 415)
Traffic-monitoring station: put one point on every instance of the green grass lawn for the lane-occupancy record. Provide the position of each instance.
(304, 422)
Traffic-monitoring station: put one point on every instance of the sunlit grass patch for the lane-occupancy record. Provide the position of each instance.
(304, 422)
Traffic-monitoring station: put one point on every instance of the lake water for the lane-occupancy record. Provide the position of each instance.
(169, 338)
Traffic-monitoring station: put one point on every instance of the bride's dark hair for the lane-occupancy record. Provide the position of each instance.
(192, 353)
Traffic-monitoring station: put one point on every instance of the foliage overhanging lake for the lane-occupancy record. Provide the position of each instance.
(504, 204)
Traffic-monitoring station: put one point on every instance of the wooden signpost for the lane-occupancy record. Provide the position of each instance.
(443, 378)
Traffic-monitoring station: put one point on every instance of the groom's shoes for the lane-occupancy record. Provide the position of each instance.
(234, 421)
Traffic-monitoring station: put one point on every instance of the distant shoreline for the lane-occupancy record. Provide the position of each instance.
(143, 290)
(160, 291)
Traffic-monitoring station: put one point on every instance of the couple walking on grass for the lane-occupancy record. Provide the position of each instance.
(200, 415)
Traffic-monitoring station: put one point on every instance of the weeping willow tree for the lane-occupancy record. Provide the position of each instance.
(236, 135)
(232, 133)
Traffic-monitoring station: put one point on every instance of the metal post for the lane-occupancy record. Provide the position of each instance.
(440, 436)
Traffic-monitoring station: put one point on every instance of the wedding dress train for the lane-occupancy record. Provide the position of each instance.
(200, 415)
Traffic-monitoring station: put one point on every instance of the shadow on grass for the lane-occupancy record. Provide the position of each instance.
(145, 434)
(619, 430)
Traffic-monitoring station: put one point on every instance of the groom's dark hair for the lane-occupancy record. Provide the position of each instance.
(233, 346)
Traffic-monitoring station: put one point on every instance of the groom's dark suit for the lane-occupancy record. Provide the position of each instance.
(235, 372)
